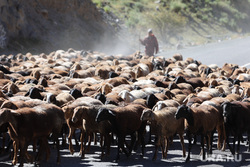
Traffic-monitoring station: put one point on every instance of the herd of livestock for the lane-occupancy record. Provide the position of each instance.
(45, 97)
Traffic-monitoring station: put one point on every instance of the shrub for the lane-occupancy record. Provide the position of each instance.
(167, 24)
(224, 18)
(133, 19)
(107, 9)
(177, 6)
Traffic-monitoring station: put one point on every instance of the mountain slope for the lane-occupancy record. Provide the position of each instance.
(47, 25)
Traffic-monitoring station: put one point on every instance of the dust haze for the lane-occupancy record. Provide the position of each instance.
(119, 43)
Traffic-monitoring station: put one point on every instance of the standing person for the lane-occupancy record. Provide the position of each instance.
(151, 44)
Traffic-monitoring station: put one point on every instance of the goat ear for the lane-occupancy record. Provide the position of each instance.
(112, 113)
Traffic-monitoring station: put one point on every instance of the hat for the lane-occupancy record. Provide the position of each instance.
(150, 30)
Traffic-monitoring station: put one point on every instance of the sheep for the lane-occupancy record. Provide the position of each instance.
(121, 87)
(149, 63)
(245, 93)
(124, 121)
(75, 93)
(150, 103)
(27, 124)
(163, 84)
(5, 70)
(68, 110)
(166, 126)
(101, 97)
(34, 93)
(131, 96)
(151, 100)
(236, 89)
(141, 70)
(165, 103)
(229, 69)
(150, 90)
(103, 71)
(245, 84)
(55, 71)
(137, 101)
(60, 99)
(88, 114)
(11, 88)
(179, 98)
(192, 99)
(224, 89)
(21, 104)
(244, 77)
(113, 98)
(11, 104)
(143, 82)
(236, 115)
(202, 121)
(128, 75)
(80, 74)
(192, 66)
(195, 82)
(217, 103)
(233, 97)
(105, 88)
(3, 82)
(208, 93)
(156, 74)
(117, 81)
(183, 87)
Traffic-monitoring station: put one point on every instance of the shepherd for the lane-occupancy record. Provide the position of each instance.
(151, 44)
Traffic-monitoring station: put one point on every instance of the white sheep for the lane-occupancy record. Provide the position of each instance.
(166, 103)
(131, 96)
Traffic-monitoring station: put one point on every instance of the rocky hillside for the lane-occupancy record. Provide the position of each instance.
(45, 25)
